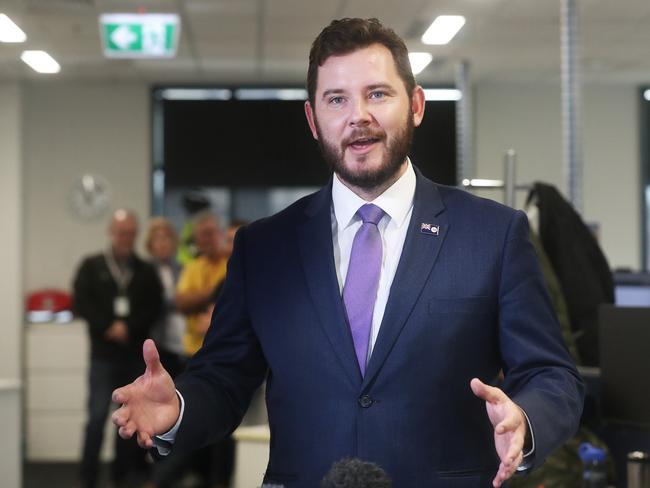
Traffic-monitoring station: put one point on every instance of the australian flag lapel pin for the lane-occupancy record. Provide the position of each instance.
(430, 229)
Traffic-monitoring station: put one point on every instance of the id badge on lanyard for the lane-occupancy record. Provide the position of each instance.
(122, 278)
(121, 306)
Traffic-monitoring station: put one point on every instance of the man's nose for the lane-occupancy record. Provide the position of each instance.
(360, 115)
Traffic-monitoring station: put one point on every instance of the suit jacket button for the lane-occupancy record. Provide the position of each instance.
(365, 401)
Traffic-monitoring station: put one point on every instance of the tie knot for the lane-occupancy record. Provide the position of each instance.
(370, 213)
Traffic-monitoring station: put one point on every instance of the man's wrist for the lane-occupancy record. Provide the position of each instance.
(170, 435)
(163, 443)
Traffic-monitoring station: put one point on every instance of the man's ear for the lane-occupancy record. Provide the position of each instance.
(417, 105)
(309, 113)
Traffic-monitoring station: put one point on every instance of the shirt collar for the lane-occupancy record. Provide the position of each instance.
(396, 201)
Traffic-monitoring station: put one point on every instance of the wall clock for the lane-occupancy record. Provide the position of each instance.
(90, 197)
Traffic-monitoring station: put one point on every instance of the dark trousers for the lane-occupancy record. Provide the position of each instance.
(106, 375)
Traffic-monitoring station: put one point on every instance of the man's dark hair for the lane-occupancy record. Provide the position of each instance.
(347, 35)
(354, 473)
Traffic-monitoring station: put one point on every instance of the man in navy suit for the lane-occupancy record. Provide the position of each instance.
(372, 308)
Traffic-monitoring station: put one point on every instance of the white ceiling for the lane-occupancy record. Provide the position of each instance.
(253, 41)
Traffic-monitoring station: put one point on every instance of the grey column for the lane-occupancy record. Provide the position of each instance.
(464, 125)
(571, 104)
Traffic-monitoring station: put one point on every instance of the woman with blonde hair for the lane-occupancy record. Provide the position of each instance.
(161, 242)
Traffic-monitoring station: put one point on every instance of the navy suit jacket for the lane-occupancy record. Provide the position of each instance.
(467, 302)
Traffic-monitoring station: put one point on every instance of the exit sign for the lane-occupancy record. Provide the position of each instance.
(139, 35)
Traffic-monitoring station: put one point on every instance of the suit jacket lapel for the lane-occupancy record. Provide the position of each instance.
(419, 254)
(317, 257)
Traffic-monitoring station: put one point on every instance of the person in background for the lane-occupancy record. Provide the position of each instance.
(194, 203)
(195, 292)
(161, 242)
(120, 296)
(229, 237)
(200, 277)
(226, 249)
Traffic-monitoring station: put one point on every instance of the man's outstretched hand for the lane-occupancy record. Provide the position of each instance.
(510, 428)
(150, 405)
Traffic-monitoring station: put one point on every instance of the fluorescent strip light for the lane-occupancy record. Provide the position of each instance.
(40, 61)
(419, 61)
(443, 29)
(196, 94)
(442, 94)
(271, 94)
(9, 31)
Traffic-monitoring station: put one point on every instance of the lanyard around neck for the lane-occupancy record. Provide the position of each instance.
(122, 277)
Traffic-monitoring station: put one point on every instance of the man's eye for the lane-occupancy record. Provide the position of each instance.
(377, 94)
(336, 100)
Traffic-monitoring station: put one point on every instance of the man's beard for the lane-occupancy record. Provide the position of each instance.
(369, 178)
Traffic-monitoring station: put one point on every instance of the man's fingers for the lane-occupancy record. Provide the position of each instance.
(121, 416)
(122, 395)
(507, 470)
(144, 440)
(125, 432)
(151, 357)
(488, 393)
(504, 474)
(515, 449)
(496, 482)
(509, 424)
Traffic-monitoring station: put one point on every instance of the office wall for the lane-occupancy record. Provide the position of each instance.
(71, 129)
(528, 119)
(10, 284)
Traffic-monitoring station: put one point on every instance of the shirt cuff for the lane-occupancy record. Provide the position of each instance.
(164, 442)
(527, 461)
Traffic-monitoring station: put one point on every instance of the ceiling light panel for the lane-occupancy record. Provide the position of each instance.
(9, 31)
(443, 29)
(419, 61)
(41, 62)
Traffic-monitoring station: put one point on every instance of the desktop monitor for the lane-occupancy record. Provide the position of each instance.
(632, 289)
(625, 364)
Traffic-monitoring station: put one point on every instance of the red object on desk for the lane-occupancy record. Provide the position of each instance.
(49, 299)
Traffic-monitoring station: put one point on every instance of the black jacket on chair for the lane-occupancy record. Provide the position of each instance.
(579, 263)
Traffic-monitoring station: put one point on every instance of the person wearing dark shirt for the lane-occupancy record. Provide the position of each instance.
(119, 295)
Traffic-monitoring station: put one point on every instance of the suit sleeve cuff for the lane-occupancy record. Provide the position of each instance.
(529, 450)
(164, 442)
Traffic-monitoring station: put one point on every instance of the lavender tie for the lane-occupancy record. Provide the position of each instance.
(362, 281)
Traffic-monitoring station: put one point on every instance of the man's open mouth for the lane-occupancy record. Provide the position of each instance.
(364, 142)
